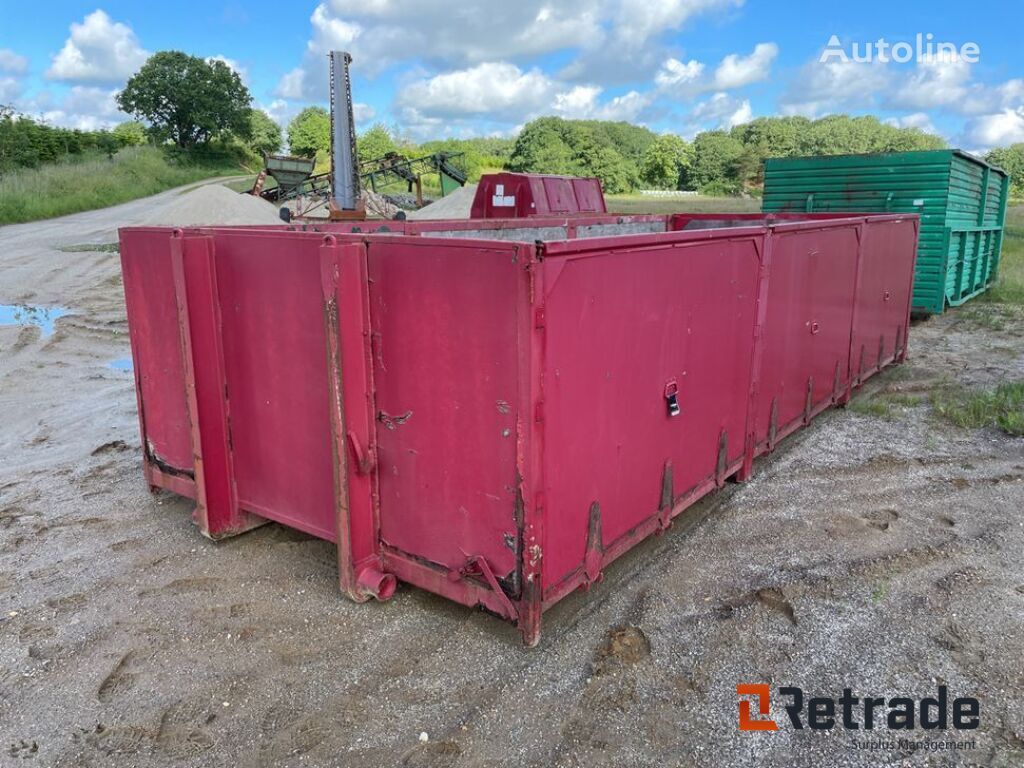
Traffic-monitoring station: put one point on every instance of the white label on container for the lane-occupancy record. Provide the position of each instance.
(499, 190)
(919, 201)
(503, 201)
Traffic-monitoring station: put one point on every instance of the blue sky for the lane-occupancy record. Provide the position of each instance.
(438, 68)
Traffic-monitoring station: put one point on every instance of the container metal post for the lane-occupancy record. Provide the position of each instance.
(193, 266)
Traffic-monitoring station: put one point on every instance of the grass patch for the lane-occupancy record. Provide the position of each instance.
(989, 316)
(91, 248)
(1009, 289)
(881, 405)
(867, 406)
(1002, 407)
(689, 204)
(879, 592)
(99, 181)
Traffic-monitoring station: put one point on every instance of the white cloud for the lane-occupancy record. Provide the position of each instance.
(362, 113)
(735, 71)
(920, 120)
(935, 82)
(381, 33)
(10, 90)
(492, 88)
(501, 92)
(722, 111)
(582, 102)
(12, 62)
(637, 21)
(98, 50)
(579, 100)
(613, 41)
(836, 85)
(946, 83)
(997, 130)
(685, 81)
(293, 85)
(676, 75)
(85, 107)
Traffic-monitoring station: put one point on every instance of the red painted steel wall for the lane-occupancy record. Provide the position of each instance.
(156, 348)
(488, 419)
(515, 195)
(445, 324)
(620, 325)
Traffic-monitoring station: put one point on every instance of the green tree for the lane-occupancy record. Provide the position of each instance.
(309, 132)
(610, 151)
(593, 158)
(264, 134)
(1011, 160)
(186, 99)
(130, 133)
(715, 157)
(541, 147)
(375, 143)
(776, 136)
(479, 156)
(665, 161)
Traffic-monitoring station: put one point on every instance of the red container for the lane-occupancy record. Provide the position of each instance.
(515, 195)
(495, 420)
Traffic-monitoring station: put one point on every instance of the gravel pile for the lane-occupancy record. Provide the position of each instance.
(210, 205)
(453, 206)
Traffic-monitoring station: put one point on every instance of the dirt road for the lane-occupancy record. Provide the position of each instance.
(880, 553)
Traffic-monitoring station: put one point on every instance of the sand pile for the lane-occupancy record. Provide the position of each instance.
(453, 206)
(209, 205)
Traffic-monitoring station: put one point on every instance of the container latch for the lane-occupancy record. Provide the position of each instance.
(672, 398)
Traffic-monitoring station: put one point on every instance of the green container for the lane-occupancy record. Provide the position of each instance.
(961, 201)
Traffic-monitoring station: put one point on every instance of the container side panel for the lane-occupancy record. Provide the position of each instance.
(883, 295)
(276, 368)
(156, 345)
(622, 326)
(908, 182)
(445, 348)
(807, 326)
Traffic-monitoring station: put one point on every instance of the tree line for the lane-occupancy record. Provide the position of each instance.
(192, 107)
(189, 105)
(626, 157)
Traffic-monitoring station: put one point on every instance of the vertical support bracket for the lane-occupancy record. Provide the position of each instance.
(343, 274)
(207, 391)
(757, 354)
(853, 375)
(594, 557)
(533, 289)
(667, 497)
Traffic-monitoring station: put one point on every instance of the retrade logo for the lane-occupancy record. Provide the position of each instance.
(762, 694)
(823, 713)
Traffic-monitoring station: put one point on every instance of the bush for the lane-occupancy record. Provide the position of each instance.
(720, 189)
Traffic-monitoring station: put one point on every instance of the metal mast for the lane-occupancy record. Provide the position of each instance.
(344, 164)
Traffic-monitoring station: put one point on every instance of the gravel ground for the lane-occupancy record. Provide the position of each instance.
(881, 554)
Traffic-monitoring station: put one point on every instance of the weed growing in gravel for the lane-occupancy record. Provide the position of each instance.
(988, 316)
(1002, 407)
(881, 404)
(1010, 287)
(90, 248)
